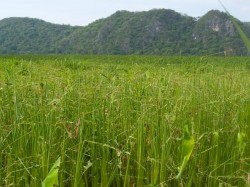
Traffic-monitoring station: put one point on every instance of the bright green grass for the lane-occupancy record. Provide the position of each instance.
(121, 120)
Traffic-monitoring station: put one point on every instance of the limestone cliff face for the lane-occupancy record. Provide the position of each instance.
(216, 30)
(214, 21)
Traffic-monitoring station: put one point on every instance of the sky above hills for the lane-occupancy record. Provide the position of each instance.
(83, 12)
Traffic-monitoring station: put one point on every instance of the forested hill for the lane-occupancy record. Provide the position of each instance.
(157, 31)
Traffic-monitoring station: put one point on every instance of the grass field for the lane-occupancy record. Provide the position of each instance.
(125, 120)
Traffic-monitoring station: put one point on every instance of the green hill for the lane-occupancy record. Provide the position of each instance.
(157, 31)
(27, 35)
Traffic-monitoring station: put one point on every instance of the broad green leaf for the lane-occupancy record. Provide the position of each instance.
(241, 142)
(52, 178)
(187, 149)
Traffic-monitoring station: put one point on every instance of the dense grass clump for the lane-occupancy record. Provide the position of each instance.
(125, 120)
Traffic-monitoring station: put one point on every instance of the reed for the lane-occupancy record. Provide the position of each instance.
(124, 120)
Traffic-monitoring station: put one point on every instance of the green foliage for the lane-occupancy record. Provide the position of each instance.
(153, 32)
(51, 179)
(122, 120)
(187, 149)
(31, 36)
(241, 140)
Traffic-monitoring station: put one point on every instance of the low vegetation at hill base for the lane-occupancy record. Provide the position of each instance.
(158, 31)
(124, 121)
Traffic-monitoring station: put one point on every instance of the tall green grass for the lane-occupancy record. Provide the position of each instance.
(125, 120)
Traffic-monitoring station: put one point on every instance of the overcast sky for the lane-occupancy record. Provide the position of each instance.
(83, 12)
